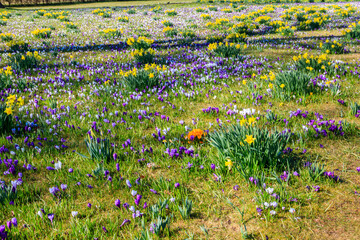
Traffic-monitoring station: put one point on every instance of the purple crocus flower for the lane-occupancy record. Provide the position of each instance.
(8, 224)
(284, 176)
(54, 190)
(3, 233)
(316, 188)
(126, 206)
(137, 199)
(128, 183)
(153, 191)
(125, 222)
(14, 222)
(177, 185)
(117, 203)
(51, 217)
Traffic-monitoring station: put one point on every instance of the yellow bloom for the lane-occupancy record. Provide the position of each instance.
(20, 101)
(242, 122)
(249, 139)
(251, 120)
(8, 111)
(11, 99)
(229, 163)
(282, 85)
(151, 75)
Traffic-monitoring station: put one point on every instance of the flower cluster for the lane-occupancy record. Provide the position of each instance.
(42, 33)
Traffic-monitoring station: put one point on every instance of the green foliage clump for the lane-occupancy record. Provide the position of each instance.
(141, 79)
(250, 148)
(19, 61)
(226, 49)
(293, 83)
(99, 149)
(332, 47)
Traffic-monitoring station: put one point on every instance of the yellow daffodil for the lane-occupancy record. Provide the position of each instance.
(229, 163)
(249, 139)
(8, 111)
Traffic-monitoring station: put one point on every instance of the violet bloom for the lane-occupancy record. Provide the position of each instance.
(128, 183)
(296, 174)
(8, 224)
(358, 169)
(89, 205)
(14, 222)
(71, 170)
(126, 206)
(3, 233)
(284, 176)
(125, 222)
(117, 203)
(63, 187)
(177, 185)
(236, 187)
(212, 166)
(117, 167)
(51, 217)
(153, 191)
(54, 190)
(316, 188)
(104, 228)
(137, 199)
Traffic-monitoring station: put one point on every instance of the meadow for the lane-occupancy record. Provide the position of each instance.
(206, 120)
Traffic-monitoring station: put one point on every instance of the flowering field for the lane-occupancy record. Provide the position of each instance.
(217, 120)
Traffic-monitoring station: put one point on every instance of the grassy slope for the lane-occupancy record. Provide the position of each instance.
(333, 215)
